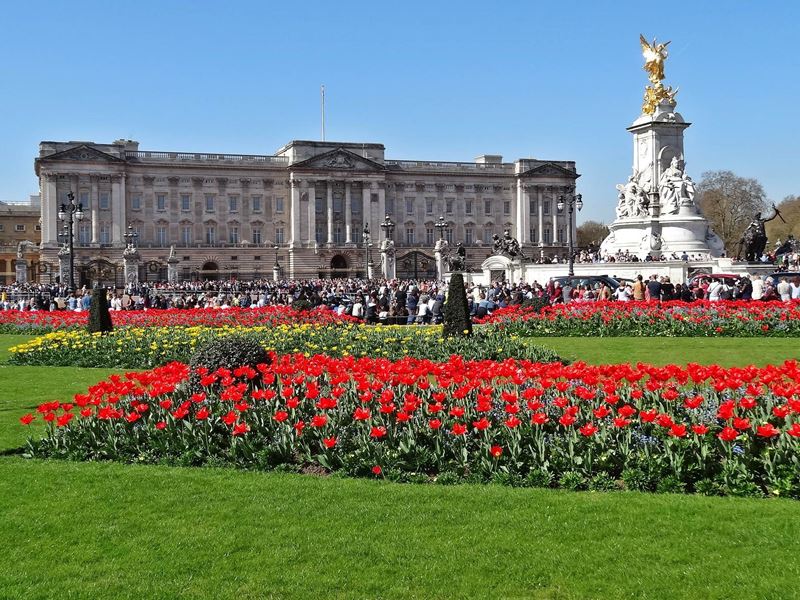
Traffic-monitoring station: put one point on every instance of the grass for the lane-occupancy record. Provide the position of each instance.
(660, 350)
(90, 530)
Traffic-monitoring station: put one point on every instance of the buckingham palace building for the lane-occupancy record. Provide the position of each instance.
(305, 208)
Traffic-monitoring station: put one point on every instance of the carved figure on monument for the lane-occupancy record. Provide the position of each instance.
(633, 200)
(675, 188)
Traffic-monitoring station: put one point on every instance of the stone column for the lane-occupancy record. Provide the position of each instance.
(312, 212)
(555, 220)
(294, 215)
(94, 211)
(523, 213)
(381, 207)
(49, 210)
(330, 212)
(540, 201)
(348, 214)
(117, 208)
(365, 204)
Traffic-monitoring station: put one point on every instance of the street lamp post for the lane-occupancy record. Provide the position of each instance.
(70, 212)
(572, 201)
(441, 226)
(367, 244)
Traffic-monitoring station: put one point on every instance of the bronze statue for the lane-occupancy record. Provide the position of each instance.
(754, 238)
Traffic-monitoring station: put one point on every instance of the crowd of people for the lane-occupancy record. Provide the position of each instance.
(395, 301)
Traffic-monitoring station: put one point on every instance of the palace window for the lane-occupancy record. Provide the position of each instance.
(534, 239)
(410, 236)
(506, 207)
(337, 204)
(233, 234)
(279, 235)
(104, 201)
(256, 235)
(85, 201)
(448, 206)
(487, 207)
(186, 202)
(448, 234)
(428, 206)
(429, 236)
(561, 237)
(105, 234)
(356, 205)
(211, 235)
(546, 207)
(161, 202)
(256, 203)
(186, 235)
(337, 234)
(319, 234)
(409, 206)
(534, 207)
(469, 235)
(136, 202)
(19, 227)
(468, 207)
(233, 204)
(209, 202)
(547, 236)
(278, 205)
(319, 205)
(162, 239)
(487, 235)
(84, 234)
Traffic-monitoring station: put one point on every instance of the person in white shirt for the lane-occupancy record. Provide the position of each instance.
(795, 285)
(713, 290)
(758, 287)
(623, 293)
(784, 290)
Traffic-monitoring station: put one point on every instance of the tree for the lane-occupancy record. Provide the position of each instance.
(456, 310)
(729, 203)
(591, 232)
(99, 317)
(777, 229)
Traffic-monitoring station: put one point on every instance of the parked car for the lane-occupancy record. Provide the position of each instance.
(790, 275)
(728, 278)
(587, 280)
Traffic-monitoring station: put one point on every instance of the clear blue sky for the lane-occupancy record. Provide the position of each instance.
(430, 80)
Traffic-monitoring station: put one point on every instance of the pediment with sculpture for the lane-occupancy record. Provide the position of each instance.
(339, 160)
(84, 153)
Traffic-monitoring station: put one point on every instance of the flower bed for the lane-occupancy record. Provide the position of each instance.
(704, 429)
(145, 347)
(698, 319)
(38, 322)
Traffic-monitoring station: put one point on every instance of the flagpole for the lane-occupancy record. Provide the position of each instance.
(322, 101)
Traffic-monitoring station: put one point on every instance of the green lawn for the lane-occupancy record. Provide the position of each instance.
(664, 350)
(88, 530)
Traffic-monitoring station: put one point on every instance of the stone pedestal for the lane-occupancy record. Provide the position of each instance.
(370, 269)
(388, 261)
(172, 270)
(130, 261)
(63, 266)
(276, 273)
(440, 255)
(21, 270)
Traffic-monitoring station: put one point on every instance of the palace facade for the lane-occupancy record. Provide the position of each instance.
(305, 208)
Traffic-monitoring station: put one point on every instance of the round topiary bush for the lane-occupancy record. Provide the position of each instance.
(229, 352)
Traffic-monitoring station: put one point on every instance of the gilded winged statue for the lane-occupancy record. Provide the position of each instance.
(654, 57)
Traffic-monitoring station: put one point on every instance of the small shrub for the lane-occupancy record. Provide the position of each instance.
(457, 321)
(448, 478)
(602, 482)
(229, 352)
(99, 316)
(637, 480)
(572, 480)
(539, 478)
(707, 487)
(670, 485)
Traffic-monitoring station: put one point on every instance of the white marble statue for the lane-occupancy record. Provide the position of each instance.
(632, 199)
(675, 188)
